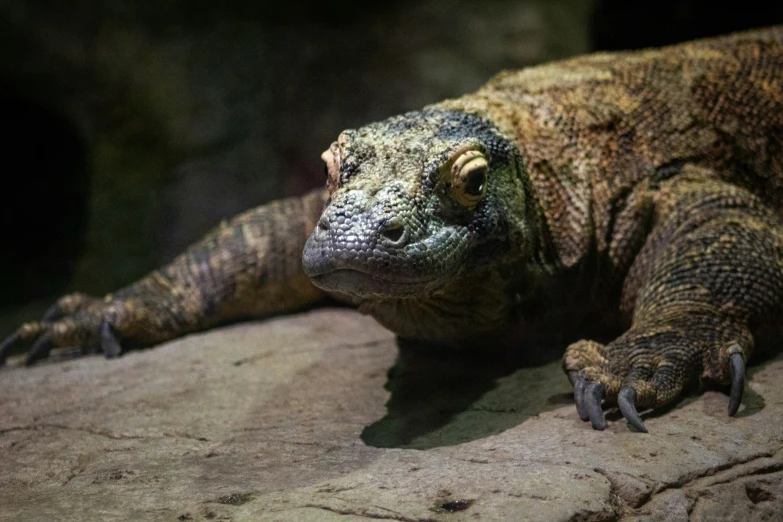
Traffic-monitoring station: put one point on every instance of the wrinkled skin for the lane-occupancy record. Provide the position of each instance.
(639, 189)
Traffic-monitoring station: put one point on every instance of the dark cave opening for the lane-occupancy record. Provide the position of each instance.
(46, 195)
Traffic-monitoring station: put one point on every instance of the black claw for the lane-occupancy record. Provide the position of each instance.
(737, 382)
(625, 400)
(40, 350)
(6, 346)
(594, 394)
(109, 344)
(579, 398)
(52, 313)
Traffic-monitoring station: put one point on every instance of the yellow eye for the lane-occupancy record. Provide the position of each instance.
(469, 178)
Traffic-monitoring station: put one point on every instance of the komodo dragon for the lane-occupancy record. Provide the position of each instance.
(641, 189)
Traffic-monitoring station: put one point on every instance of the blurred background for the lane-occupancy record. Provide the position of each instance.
(131, 128)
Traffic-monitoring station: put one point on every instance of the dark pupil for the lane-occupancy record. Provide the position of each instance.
(476, 179)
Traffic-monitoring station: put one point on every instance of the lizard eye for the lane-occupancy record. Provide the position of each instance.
(469, 178)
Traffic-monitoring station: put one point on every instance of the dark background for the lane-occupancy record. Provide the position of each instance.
(131, 128)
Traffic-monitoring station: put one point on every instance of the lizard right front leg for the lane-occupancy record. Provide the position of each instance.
(707, 283)
(248, 267)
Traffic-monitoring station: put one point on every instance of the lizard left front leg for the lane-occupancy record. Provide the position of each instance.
(708, 279)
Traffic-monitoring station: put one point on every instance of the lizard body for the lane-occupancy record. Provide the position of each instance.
(644, 187)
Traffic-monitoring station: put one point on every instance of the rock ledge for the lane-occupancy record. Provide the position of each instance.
(290, 419)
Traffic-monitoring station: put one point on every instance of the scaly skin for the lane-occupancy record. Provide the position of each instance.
(642, 189)
(247, 267)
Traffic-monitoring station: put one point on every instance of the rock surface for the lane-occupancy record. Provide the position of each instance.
(320, 416)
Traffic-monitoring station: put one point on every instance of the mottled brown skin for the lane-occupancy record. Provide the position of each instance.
(247, 267)
(641, 188)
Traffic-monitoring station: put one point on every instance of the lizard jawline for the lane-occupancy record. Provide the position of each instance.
(361, 284)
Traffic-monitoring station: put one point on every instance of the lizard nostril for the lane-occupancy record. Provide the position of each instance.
(395, 233)
(323, 224)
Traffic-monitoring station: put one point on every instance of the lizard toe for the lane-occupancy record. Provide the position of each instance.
(594, 395)
(40, 350)
(7, 345)
(579, 398)
(66, 306)
(737, 382)
(110, 345)
(27, 333)
(626, 402)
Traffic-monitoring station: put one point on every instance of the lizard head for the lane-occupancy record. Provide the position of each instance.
(414, 201)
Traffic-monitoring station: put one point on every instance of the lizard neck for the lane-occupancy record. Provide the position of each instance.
(482, 300)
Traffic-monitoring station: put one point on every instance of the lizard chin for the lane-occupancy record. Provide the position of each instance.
(359, 284)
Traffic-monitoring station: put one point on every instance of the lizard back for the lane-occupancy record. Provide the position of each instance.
(590, 129)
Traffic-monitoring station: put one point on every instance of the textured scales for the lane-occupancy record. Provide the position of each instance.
(641, 189)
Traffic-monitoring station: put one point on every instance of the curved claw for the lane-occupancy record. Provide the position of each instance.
(109, 344)
(625, 400)
(594, 394)
(7, 344)
(40, 350)
(579, 398)
(737, 382)
(52, 313)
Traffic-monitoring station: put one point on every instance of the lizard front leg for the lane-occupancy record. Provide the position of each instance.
(708, 279)
(250, 266)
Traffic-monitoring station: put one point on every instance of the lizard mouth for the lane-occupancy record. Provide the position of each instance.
(364, 285)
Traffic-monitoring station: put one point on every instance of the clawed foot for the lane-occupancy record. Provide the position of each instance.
(589, 397)
(76, 320)
(648, 368)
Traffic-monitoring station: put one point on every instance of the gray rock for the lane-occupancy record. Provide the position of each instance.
(289, 419)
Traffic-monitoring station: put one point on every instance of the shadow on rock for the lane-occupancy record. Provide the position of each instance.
(443, 398)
